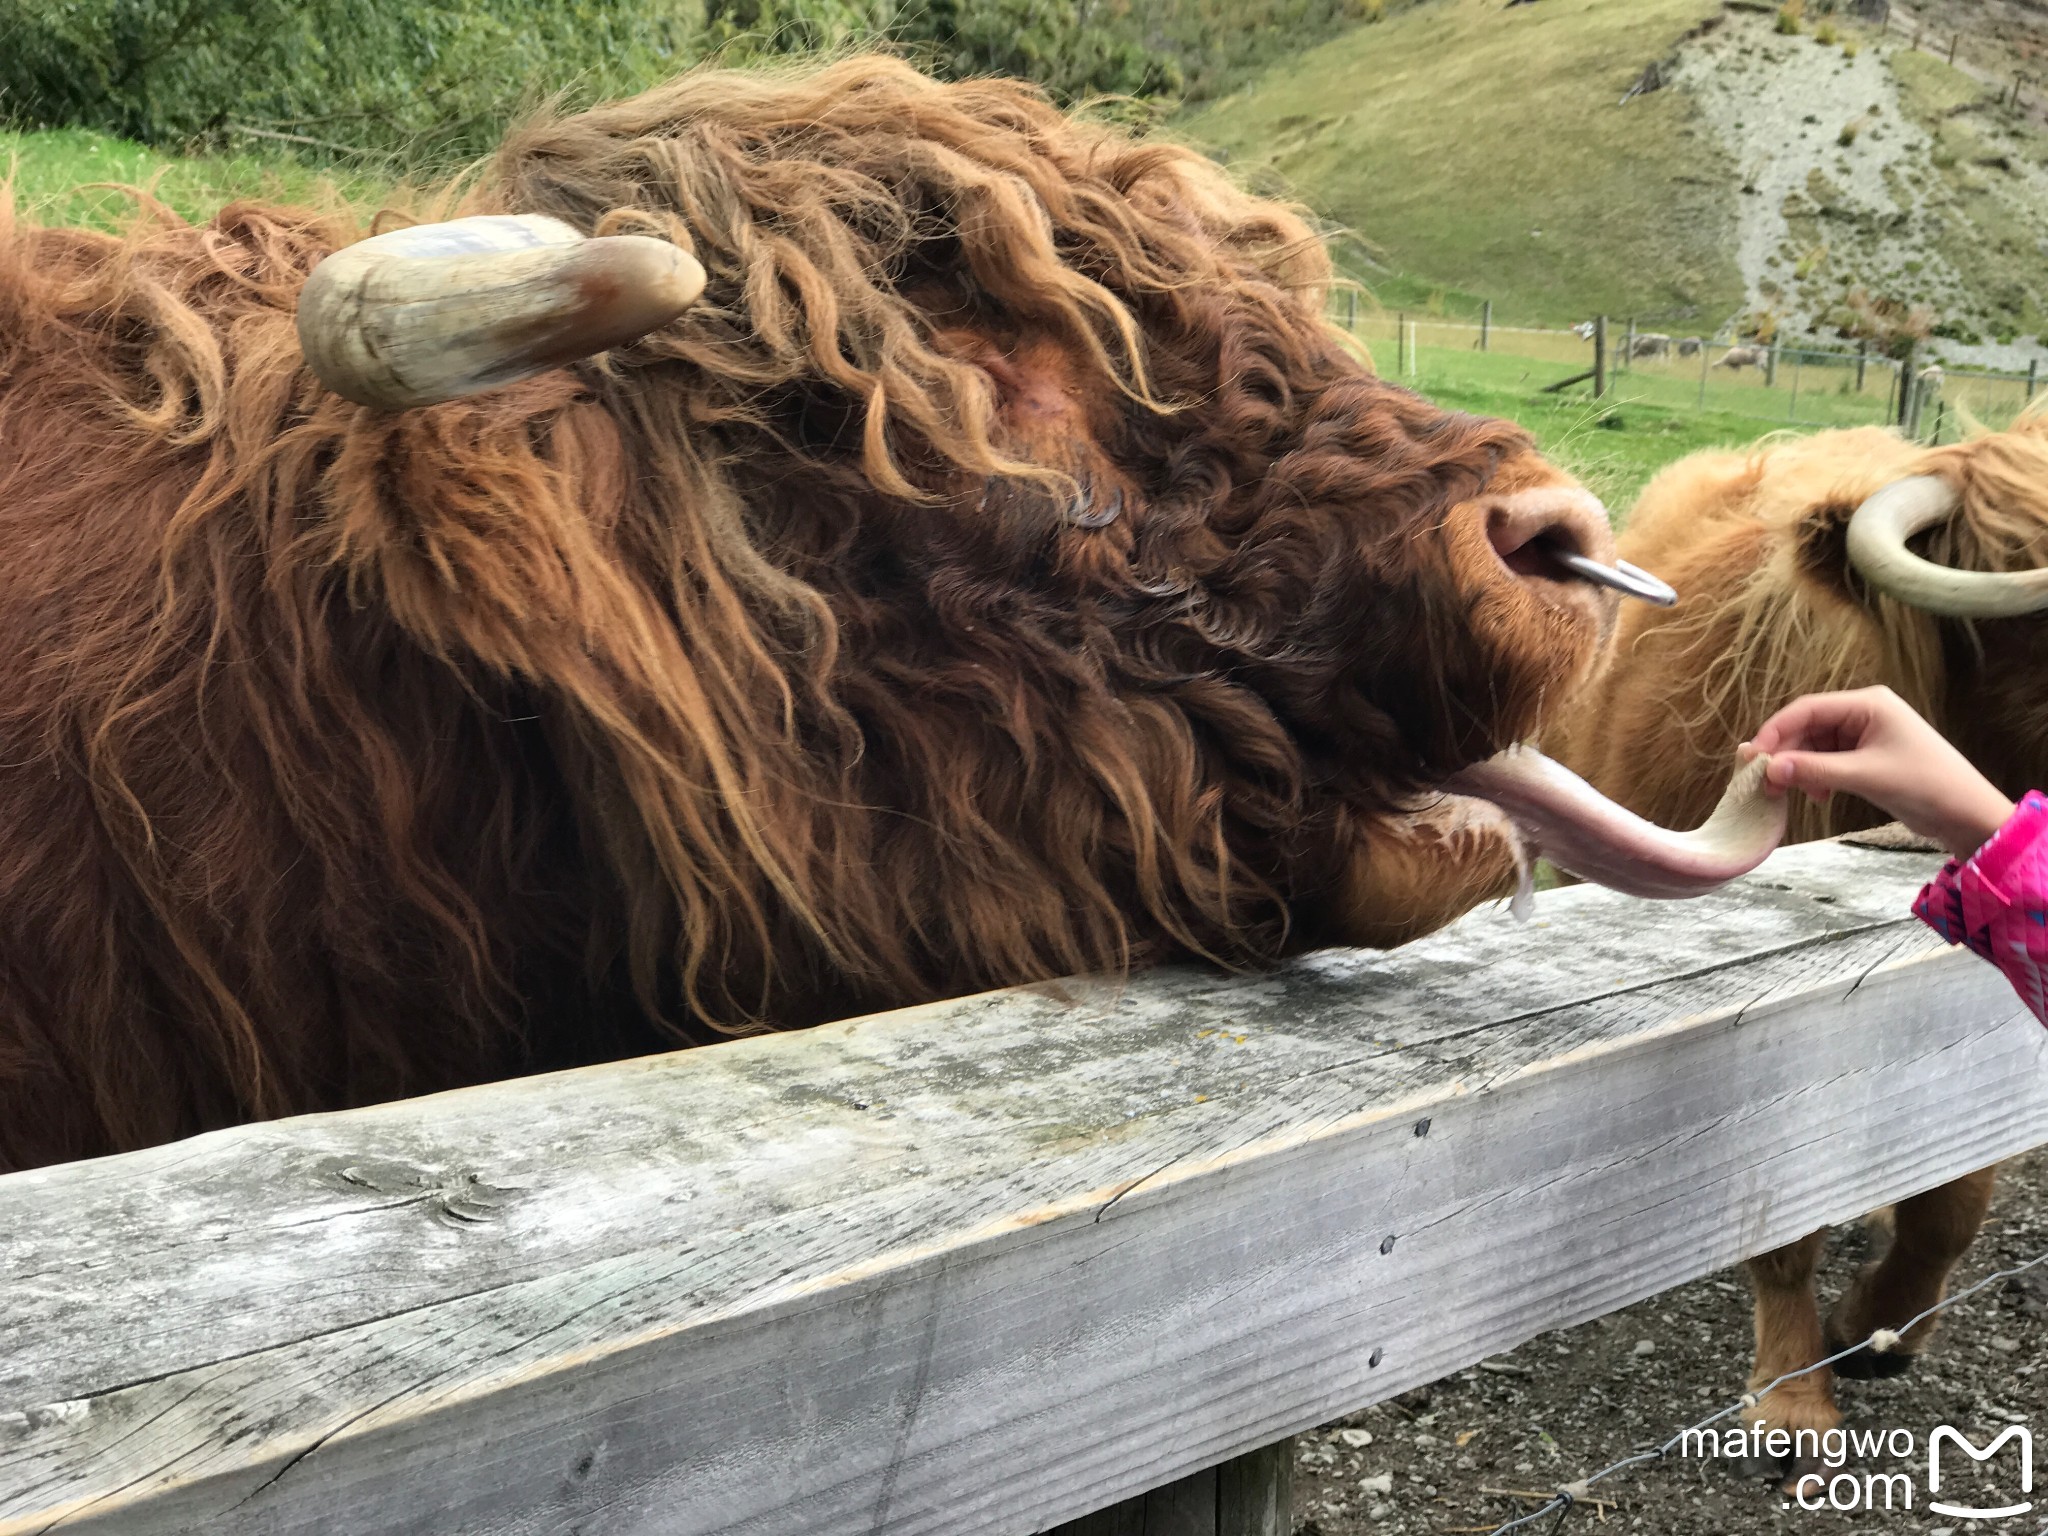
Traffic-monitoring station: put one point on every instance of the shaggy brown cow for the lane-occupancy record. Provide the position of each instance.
(1002, 572)
(1781, 601)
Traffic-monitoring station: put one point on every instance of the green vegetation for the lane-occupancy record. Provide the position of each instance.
(424, 80)
(61, 176)
(1482, 151)
(1991, 225)
(1218, 45)
(425, 84)
(1650, 415)
(1070, 47)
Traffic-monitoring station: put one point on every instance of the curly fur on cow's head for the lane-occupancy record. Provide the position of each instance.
(1003, 572)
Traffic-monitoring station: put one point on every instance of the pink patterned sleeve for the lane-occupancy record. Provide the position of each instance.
(1996, 902)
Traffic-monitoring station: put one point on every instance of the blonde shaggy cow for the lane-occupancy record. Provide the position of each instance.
(1773, 607)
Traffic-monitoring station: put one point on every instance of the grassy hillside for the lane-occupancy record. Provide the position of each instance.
(1483, 149)
(1988, 192)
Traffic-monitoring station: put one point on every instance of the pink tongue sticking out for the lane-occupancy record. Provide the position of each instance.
(1581, 831)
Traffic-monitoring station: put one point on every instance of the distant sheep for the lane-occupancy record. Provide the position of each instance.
(1745, 357)
(1688, 346)
(1649, 344)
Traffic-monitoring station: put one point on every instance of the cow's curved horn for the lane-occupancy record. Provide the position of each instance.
(1877, 548)
(437, 311)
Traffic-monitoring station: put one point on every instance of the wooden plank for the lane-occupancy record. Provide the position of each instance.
(987, 1265)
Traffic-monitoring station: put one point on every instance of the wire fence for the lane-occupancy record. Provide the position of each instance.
(1569, 1496)
(1777, 384)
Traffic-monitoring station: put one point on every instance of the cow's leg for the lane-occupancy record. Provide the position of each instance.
(1930, 1235)
(1788, 1338)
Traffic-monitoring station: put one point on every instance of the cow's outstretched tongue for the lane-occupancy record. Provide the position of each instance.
(1582, 831)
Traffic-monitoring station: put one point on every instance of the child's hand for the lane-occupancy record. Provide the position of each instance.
(1871, 743)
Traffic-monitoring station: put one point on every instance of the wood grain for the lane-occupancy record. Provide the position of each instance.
(987, 1265)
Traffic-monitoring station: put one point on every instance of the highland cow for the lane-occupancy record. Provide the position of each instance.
(1001, 571)
(1798, 578)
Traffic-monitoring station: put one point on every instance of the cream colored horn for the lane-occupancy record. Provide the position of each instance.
(1877, 548)
(438, 311)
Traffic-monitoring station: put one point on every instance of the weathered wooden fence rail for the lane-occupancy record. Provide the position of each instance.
(988, 1265)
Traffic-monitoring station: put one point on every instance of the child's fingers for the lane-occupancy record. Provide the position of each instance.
(1828, 722)
(1795, 723)
(1818, 774)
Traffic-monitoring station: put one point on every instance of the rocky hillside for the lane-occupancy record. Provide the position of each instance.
(1869, 168)
(1693, 163)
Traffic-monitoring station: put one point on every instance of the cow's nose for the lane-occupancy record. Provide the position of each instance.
(1529, 529)
(1561, 534)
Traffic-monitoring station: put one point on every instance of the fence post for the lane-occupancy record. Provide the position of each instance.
(1485, 322)
(2033, 377)
(1412, 338)
(1400, 346)
(1798, 362)
(1351, 309)
(1862, 362)
(1628, 352)
(1905, 380)
(1599, 356)
(1249, 1495)
(1954, 38)
(1771, 366)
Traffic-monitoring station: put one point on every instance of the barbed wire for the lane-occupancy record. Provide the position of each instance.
(1569, 1495)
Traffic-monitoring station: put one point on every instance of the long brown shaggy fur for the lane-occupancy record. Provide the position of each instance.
(1002, 574)
(1771, 610)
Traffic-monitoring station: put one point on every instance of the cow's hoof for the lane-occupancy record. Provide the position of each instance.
(1868, 1364)
(1760, 1469)
(1783, 1471)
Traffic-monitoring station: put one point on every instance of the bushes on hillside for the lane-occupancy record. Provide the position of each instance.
(428, 81)
(1072, 48)
(418, 77)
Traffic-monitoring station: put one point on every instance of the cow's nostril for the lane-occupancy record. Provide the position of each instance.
(1531, 559)
(1530, 548)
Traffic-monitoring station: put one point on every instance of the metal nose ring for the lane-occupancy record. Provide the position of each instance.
(1629, 580)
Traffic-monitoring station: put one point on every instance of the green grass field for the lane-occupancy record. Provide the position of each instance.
(1614, 444)
(1483, 152)
(54, 172)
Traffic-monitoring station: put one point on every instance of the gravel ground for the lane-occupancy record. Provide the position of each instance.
(1459, 1456)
